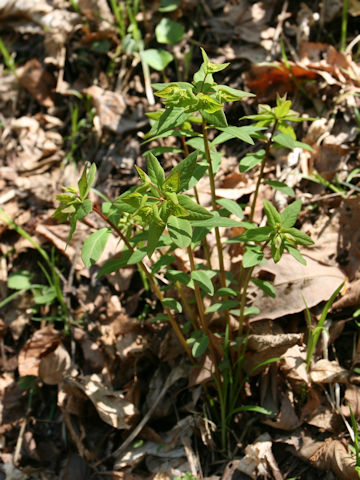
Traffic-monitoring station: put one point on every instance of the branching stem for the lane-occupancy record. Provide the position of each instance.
(152, 282)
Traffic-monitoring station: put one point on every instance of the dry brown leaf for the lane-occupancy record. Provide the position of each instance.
(37, 81)
(326, 371)
(170, 448)
(287, 418)
(293, 366)
(334, 455)
(92, 354)
(43, 342)
(325, 419)
(54, 366)
(259, 343)
(258, 461)
(265, 347)
(352, 398)
(314, 282)
(110, 107)
(110, 404)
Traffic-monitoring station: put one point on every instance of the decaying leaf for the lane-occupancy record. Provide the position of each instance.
(170, 448)
(110, 404)
(293, 366)
(264, 347)
(258, 461)
(55, 365)
(325, 371)
(293, 281)
(287, 418)
(43, 342)
(37, 81)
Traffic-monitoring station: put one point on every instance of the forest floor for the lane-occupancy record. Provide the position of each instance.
(83, 361)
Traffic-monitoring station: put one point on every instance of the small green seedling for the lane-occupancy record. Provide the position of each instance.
(314, 333)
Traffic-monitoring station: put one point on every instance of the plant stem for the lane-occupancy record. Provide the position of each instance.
(261, 173)
(245, 274)
(204, 242)
(202, 316)
(152, 282)
(214, 207)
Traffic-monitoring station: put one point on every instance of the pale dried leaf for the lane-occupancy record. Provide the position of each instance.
(325, 419)
(110, 404)
(54, 366)
(258, 461)
(314, 282)
(287, 418)
(325, 371)
(293, 366)
(170, 448)
(37, 81)
(43, 341)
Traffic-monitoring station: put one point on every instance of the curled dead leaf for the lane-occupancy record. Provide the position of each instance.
(43, 342)
(325, 371)
(110, 404)
(54, 366)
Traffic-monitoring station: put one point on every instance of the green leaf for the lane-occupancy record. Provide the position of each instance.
(20, 280)
(272, 214)
(265, 286)
(172, 183)
(299, 237)
(251, 311)
(157, 59)
(168, 31)
(242, 133)
(200, 346)
(282, 109)
(212, 67)
(201, 278)
(226, 292)
(228, 94)
(251, 160)
(86, 180)
(163, 261)
(171, 118)
(94, 246)
(281, 187)
(216, 119)
(143, 176)
(257, 234)
(220, 306)
(231, 206)
(46, 296)
(290, 214)
(253, 256)
(277, 248)
(155, 170)
(82, 183)
(195, 211)
(180, 231)
(127, 258)
(172, 304)
(178, 276)
(284, 140)
(167, 6)
(216, 221)
(295, 253)
(155, 231)
(90, 177)
(186, 169)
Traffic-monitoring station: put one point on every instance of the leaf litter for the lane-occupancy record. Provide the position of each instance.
(110, 378)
